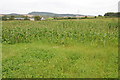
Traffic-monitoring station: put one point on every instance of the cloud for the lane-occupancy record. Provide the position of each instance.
(92, 7)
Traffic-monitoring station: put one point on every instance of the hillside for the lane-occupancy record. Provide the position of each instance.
(53, 14)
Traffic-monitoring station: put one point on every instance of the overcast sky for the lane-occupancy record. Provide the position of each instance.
(86, 7)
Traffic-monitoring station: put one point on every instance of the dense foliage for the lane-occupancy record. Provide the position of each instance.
(112, 14)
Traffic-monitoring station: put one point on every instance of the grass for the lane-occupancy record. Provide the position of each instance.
(38, 60)
(60, 49)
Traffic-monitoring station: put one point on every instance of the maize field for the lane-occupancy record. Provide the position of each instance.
(85, 48)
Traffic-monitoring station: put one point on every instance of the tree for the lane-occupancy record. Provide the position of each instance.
(99, 15)
(26, 18)
(85, 16)
(12, 17)
(37, 18)
(112, 14)
(4, 18)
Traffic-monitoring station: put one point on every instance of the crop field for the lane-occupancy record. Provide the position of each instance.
(85, 48)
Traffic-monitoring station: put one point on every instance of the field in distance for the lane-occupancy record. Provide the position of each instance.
(60, 49)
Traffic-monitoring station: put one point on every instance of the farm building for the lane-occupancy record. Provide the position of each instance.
(19, 18)
(42, 18)
(8, 18)
(32, 19)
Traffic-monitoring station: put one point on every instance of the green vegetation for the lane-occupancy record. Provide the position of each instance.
(12, 17)
(37, 18)
(60, 49)
(112, 14)
(4, 18)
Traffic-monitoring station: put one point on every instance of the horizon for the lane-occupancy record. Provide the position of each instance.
(86, 7)
(51, 12)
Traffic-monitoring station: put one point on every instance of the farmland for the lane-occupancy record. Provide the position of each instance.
(85, 48)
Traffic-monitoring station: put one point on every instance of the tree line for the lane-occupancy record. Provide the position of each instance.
(36, 18)
(112, 14)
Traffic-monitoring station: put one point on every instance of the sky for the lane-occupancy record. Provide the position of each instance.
(85, 7)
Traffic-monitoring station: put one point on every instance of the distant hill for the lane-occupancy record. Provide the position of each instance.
(14, 14)
(47, 14)
(42, 13)
(53, 14)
